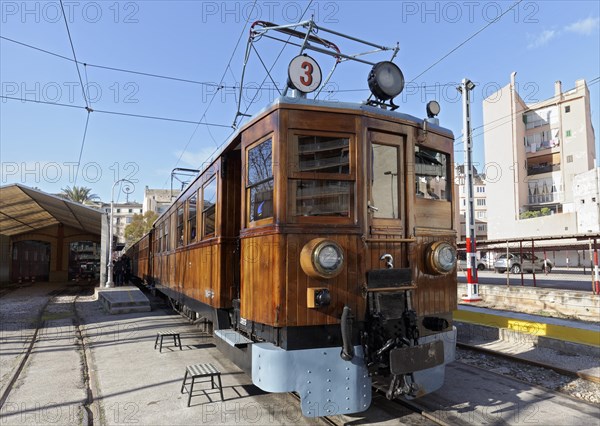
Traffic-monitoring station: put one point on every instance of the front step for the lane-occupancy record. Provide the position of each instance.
(236, 347)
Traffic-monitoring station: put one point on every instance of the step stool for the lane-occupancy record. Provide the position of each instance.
(168, 333)
(198, 371)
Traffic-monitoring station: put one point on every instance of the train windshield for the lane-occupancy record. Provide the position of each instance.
(431, 174)
(322, 181)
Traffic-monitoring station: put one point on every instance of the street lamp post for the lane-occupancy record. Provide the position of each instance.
(472, 281)
(109, 280)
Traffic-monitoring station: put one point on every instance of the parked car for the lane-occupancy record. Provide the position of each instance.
(462, 262)
(526, 263)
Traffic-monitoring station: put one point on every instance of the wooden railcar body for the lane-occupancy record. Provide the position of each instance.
(231, 244)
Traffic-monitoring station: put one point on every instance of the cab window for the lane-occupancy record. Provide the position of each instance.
(431, 174)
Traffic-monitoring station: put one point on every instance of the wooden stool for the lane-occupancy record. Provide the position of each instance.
(198, 371)
(168, 333)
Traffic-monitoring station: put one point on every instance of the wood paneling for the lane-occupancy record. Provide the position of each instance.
(263, 279)
(433, 213)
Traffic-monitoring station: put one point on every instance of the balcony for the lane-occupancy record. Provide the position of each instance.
(537, 169)
(552, 197)
(546, 163)
(543, 148)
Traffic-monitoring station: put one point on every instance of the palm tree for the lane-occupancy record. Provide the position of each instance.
(79, 194)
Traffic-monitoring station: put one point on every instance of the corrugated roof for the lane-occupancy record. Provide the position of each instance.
(24, 209)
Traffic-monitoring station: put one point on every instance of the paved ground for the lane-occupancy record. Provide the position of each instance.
(130, 381)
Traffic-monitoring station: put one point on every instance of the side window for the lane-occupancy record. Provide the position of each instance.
(209, 196)
(166, 241)
(431, 174)
(259, 182)
(180, 226)
(192, 202)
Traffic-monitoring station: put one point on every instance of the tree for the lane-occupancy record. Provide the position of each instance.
(140, 225)
(79, 194)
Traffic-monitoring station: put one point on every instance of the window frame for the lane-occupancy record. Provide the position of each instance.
(294, 175)
(209, 180)
(247, 187)
(180, 227)
(449, 198)
(189, 220)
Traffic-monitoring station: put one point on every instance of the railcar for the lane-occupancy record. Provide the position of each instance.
(320, 243)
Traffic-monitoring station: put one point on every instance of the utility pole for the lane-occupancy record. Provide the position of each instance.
(472, 283)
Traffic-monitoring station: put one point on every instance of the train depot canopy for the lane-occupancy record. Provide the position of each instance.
(24, 209)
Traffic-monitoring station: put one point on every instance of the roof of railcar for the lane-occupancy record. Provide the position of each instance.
(291, 102)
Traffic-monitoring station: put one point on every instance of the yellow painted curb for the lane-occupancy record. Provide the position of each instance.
(560, 332)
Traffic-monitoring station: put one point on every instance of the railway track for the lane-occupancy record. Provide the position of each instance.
(563, 371)
(46, 329)
(407, 411)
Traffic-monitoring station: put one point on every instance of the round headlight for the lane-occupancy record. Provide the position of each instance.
(322, 258)
(441, 257)
(386, 80)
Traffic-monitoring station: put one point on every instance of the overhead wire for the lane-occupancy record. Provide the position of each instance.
(124, 114)
(467, 40)
(85, 97)
(214, 95)
(123, 70)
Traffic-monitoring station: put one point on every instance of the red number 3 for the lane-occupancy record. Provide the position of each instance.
(307, 78)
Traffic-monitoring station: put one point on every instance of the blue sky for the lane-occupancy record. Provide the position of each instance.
(40, 143)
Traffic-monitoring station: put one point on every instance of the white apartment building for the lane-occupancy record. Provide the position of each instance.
(122, 216)
(533, 156)
(158, 200)
(480, 203)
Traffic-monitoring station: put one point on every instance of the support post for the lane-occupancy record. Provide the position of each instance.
(472, 283)
(596, 270)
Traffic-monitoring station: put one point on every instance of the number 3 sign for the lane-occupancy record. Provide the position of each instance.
(304, 74)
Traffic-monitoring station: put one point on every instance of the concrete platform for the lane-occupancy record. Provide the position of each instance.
(559, 303)
(123, 300)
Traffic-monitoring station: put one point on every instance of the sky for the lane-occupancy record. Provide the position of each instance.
(152, 72)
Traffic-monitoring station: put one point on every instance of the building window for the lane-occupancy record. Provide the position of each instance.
(481, 189)
(259, 182)
(128, 220)
(568, 133)
(481, 215)
(118, 210)
(481, 201)
(569, 158)
(481, 227)
(568, 109)
(130, 210)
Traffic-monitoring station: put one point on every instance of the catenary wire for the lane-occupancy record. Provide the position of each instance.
(150, 117)
(466, 41)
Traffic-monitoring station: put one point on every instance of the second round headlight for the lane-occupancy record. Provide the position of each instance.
(440, 257)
